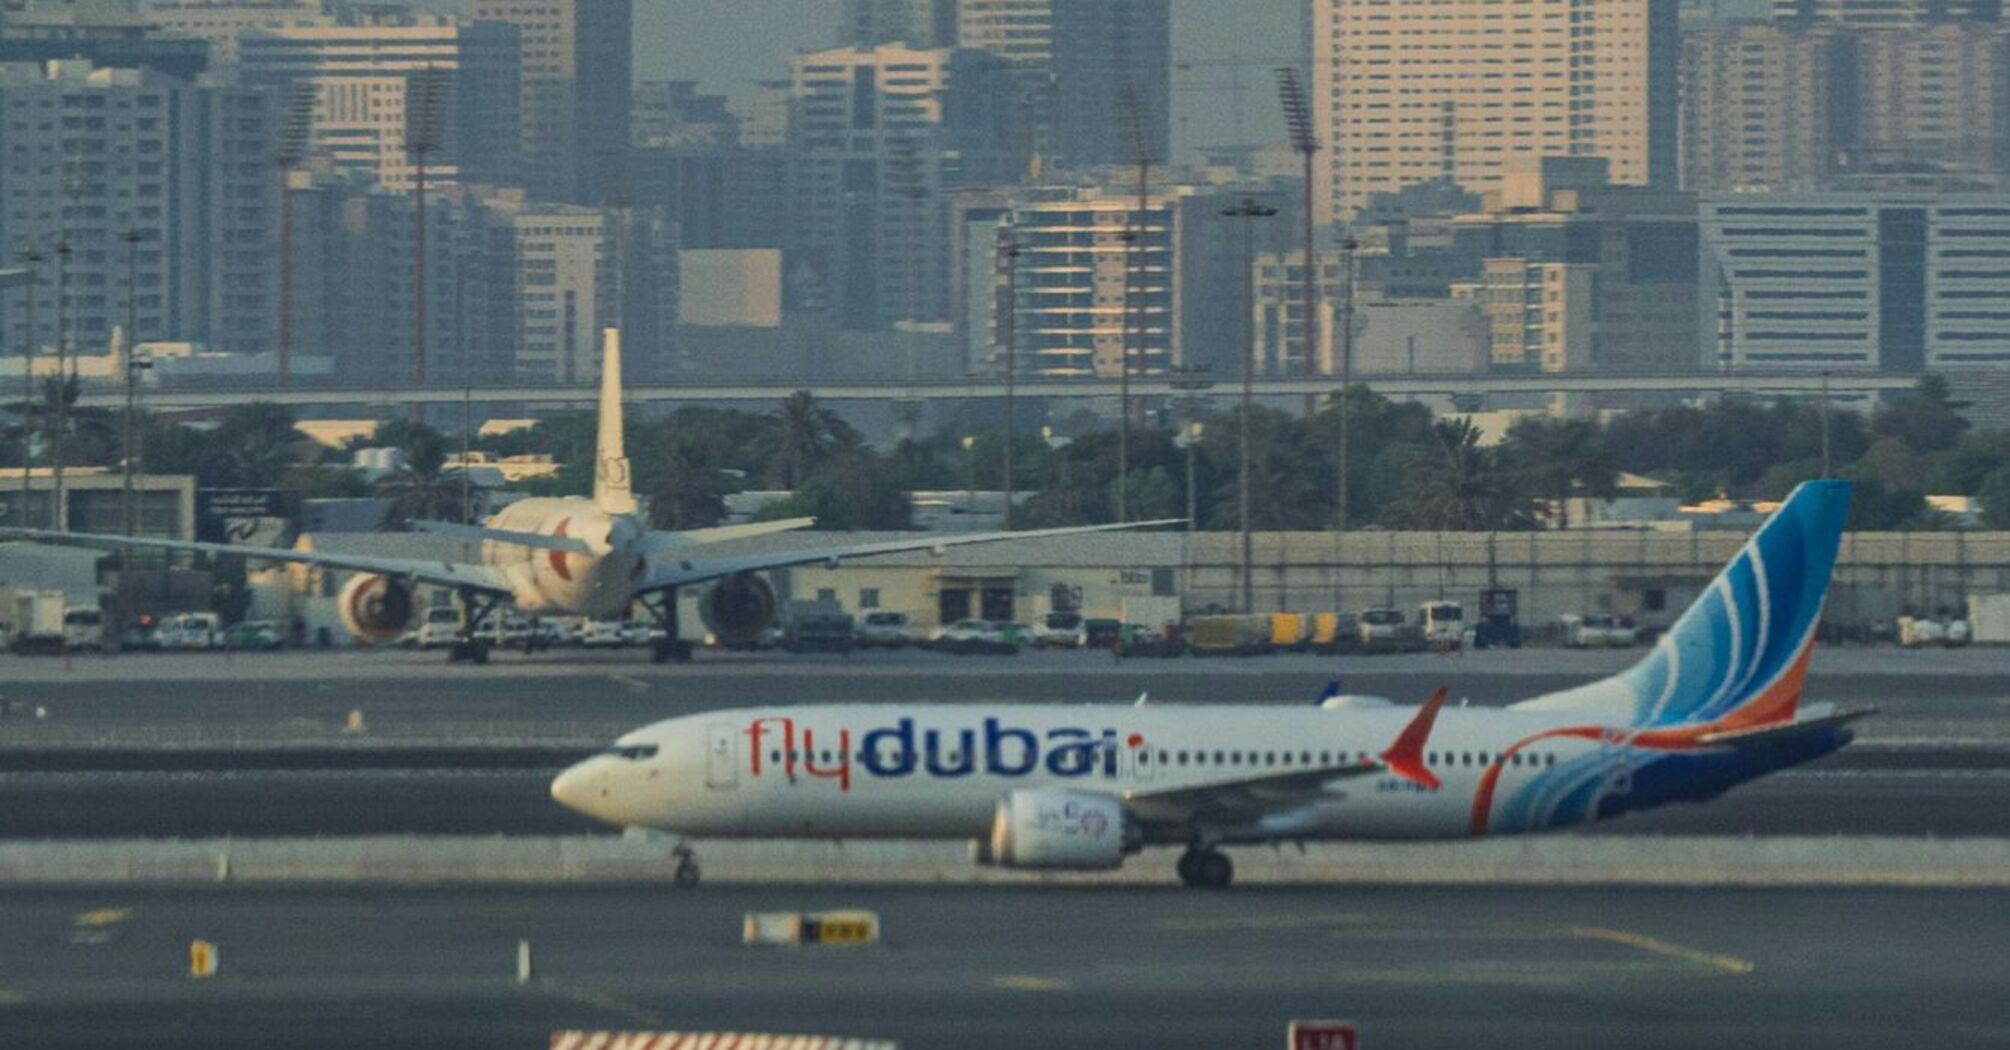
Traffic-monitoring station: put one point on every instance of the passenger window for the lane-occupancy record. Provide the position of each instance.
(1325, 758)
(1305, 757)
(1431, 759)
(1144, 758)
(1162, 756)
(775, 757)
(1549, 760)
(1220, 759)
(1182, 758)
(1287, 758)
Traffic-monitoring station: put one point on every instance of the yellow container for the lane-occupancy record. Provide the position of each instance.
(1286, 630)
(1325, 629)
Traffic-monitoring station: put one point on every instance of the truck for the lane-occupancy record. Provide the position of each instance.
(817, 626)
(1443, 623)
(1385, 631)
(84, 628)
(1499, 623)
(1989, 619)
(37, 621)
(1228, 635)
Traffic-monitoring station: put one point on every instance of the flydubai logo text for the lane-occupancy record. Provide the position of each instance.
(901, 750)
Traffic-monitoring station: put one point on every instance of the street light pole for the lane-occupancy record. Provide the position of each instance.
(1249, 211)
(34, 260)
(1007, 324)
(129, 512)
(62, 381)
(1346, 344)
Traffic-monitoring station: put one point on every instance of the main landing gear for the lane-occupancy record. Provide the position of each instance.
(686, 875)
(669, 647)
(1204, 867)
(469, 645)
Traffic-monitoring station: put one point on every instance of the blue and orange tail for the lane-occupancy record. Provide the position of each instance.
(1738, 656)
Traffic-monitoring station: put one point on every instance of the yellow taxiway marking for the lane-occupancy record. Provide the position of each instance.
(636, 684)
(1722, 963)
(1021, 983)
(104, 917)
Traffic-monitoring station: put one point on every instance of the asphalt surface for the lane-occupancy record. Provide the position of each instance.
(584, 698)
(1016, 967)
(1862, 791)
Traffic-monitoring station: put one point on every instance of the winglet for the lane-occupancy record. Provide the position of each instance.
(1405, 757)
(1332, 690)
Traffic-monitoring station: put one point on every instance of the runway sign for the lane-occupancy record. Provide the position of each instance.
(1323, 1035)
(201, 959)
(590, 1040)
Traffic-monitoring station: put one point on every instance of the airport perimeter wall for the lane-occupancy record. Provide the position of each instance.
(1535, 860)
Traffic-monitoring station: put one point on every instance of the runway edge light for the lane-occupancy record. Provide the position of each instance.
(1322, 1035)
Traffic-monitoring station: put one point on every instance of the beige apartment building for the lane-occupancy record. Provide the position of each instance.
(1755, 106)
(1428, 90)
(1932, 94)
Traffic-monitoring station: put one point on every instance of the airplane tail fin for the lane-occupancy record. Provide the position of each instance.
(611, 491)
(1737, 658)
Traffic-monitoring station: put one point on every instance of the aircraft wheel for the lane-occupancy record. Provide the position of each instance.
(1206, 869)
(661, 652)
(1185, 867)
(457, 652)
(687, 874)
(478, 652)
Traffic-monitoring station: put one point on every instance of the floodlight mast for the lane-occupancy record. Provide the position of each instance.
(1133, 113)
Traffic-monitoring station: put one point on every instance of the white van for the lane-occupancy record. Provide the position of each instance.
(442, 627)
(84, 628)
(190, 630)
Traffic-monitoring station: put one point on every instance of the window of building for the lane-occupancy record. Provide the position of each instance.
(868, 597)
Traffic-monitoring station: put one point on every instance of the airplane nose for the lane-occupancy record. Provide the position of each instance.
(574, 788)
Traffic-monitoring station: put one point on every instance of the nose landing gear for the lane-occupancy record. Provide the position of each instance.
(686, 875)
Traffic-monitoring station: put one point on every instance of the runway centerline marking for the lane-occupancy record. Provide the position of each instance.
(633, 683)
(1024, 983)
(1720, 963)
(591, 998)
(103, 916)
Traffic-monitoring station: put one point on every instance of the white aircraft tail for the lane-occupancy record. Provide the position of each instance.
(611, 491)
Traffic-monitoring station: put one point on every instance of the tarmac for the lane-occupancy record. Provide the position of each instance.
(1015, 966)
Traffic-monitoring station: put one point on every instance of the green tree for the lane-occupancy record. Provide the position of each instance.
(1455, 484)
(1926, 419)
(421, 488)
(1557, 459)
(1994, 492)
(686, 493)
(804, 436)
(857, 490)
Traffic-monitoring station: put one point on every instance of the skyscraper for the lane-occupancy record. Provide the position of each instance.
(916, 23)
(575, 84)
(880, 136)
(1886, 14)
(1429, 90)
(1757, 106)
(95, 155)
(1074, 62)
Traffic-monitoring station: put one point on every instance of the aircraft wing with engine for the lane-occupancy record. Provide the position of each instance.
(458, 575)
(682, 571)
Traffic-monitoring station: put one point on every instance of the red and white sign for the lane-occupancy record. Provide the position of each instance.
(1323, 1035)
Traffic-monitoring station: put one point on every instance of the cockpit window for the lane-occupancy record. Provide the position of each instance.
(632, 752)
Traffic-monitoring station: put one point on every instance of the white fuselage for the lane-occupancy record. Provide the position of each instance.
(939, 771)
(596, 584)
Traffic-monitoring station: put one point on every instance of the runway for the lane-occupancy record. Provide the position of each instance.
(582, 699)
(1861, 791)
(1017, 967)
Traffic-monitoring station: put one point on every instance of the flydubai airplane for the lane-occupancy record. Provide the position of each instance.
(1715, 704)
(573, 556)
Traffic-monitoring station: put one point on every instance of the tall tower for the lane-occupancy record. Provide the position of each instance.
(575, 89)
(1453, 90)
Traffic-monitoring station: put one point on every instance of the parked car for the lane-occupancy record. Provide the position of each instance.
(190, 630)
(84, 628)
(978, 636)
(1385, 631)
(254, 636)
(1060, 630)
(884, 630)
(1098, 633)
(1598, 631)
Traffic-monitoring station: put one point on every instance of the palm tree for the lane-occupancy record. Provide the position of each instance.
(805, 435)
(1454, 484)
(90, 436)
(421, 489)
(687, 493)
(1557, 459)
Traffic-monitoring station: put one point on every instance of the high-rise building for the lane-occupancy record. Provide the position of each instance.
(1075, 62)
(1903, 281)
(916, 23)
(95, 155)
(1886, 14)
(1934, 95)
(576, 80)
(382, 89)
(579, 270)
(106, 38)
(1453, 90)
(222, 23)
(880, 137)
(1757, 106)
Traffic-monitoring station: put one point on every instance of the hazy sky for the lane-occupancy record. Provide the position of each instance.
(728, 44)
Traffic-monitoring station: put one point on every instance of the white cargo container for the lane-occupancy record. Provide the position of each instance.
(37, 620)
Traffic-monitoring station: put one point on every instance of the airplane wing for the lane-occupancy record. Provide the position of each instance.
(444, 573)
(659, 541)
(1242, 798)
(697, 570)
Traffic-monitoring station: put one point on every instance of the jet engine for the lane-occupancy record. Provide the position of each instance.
(377, 608)
(1048, 828)
(738, 608)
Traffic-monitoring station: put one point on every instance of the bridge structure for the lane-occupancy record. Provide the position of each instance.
(1843, 388)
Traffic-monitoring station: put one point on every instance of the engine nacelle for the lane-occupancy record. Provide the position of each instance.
(738, 608)
(377, 608)
(1047, 828)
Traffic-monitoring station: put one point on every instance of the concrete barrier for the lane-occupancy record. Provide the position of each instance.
(1551, 860)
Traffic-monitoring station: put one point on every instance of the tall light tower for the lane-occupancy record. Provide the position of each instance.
(293, 131)
(1249, 211)
(1298, 119)
(425, 120)
(1134, 245)
(1007, 312)
(32, 259)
